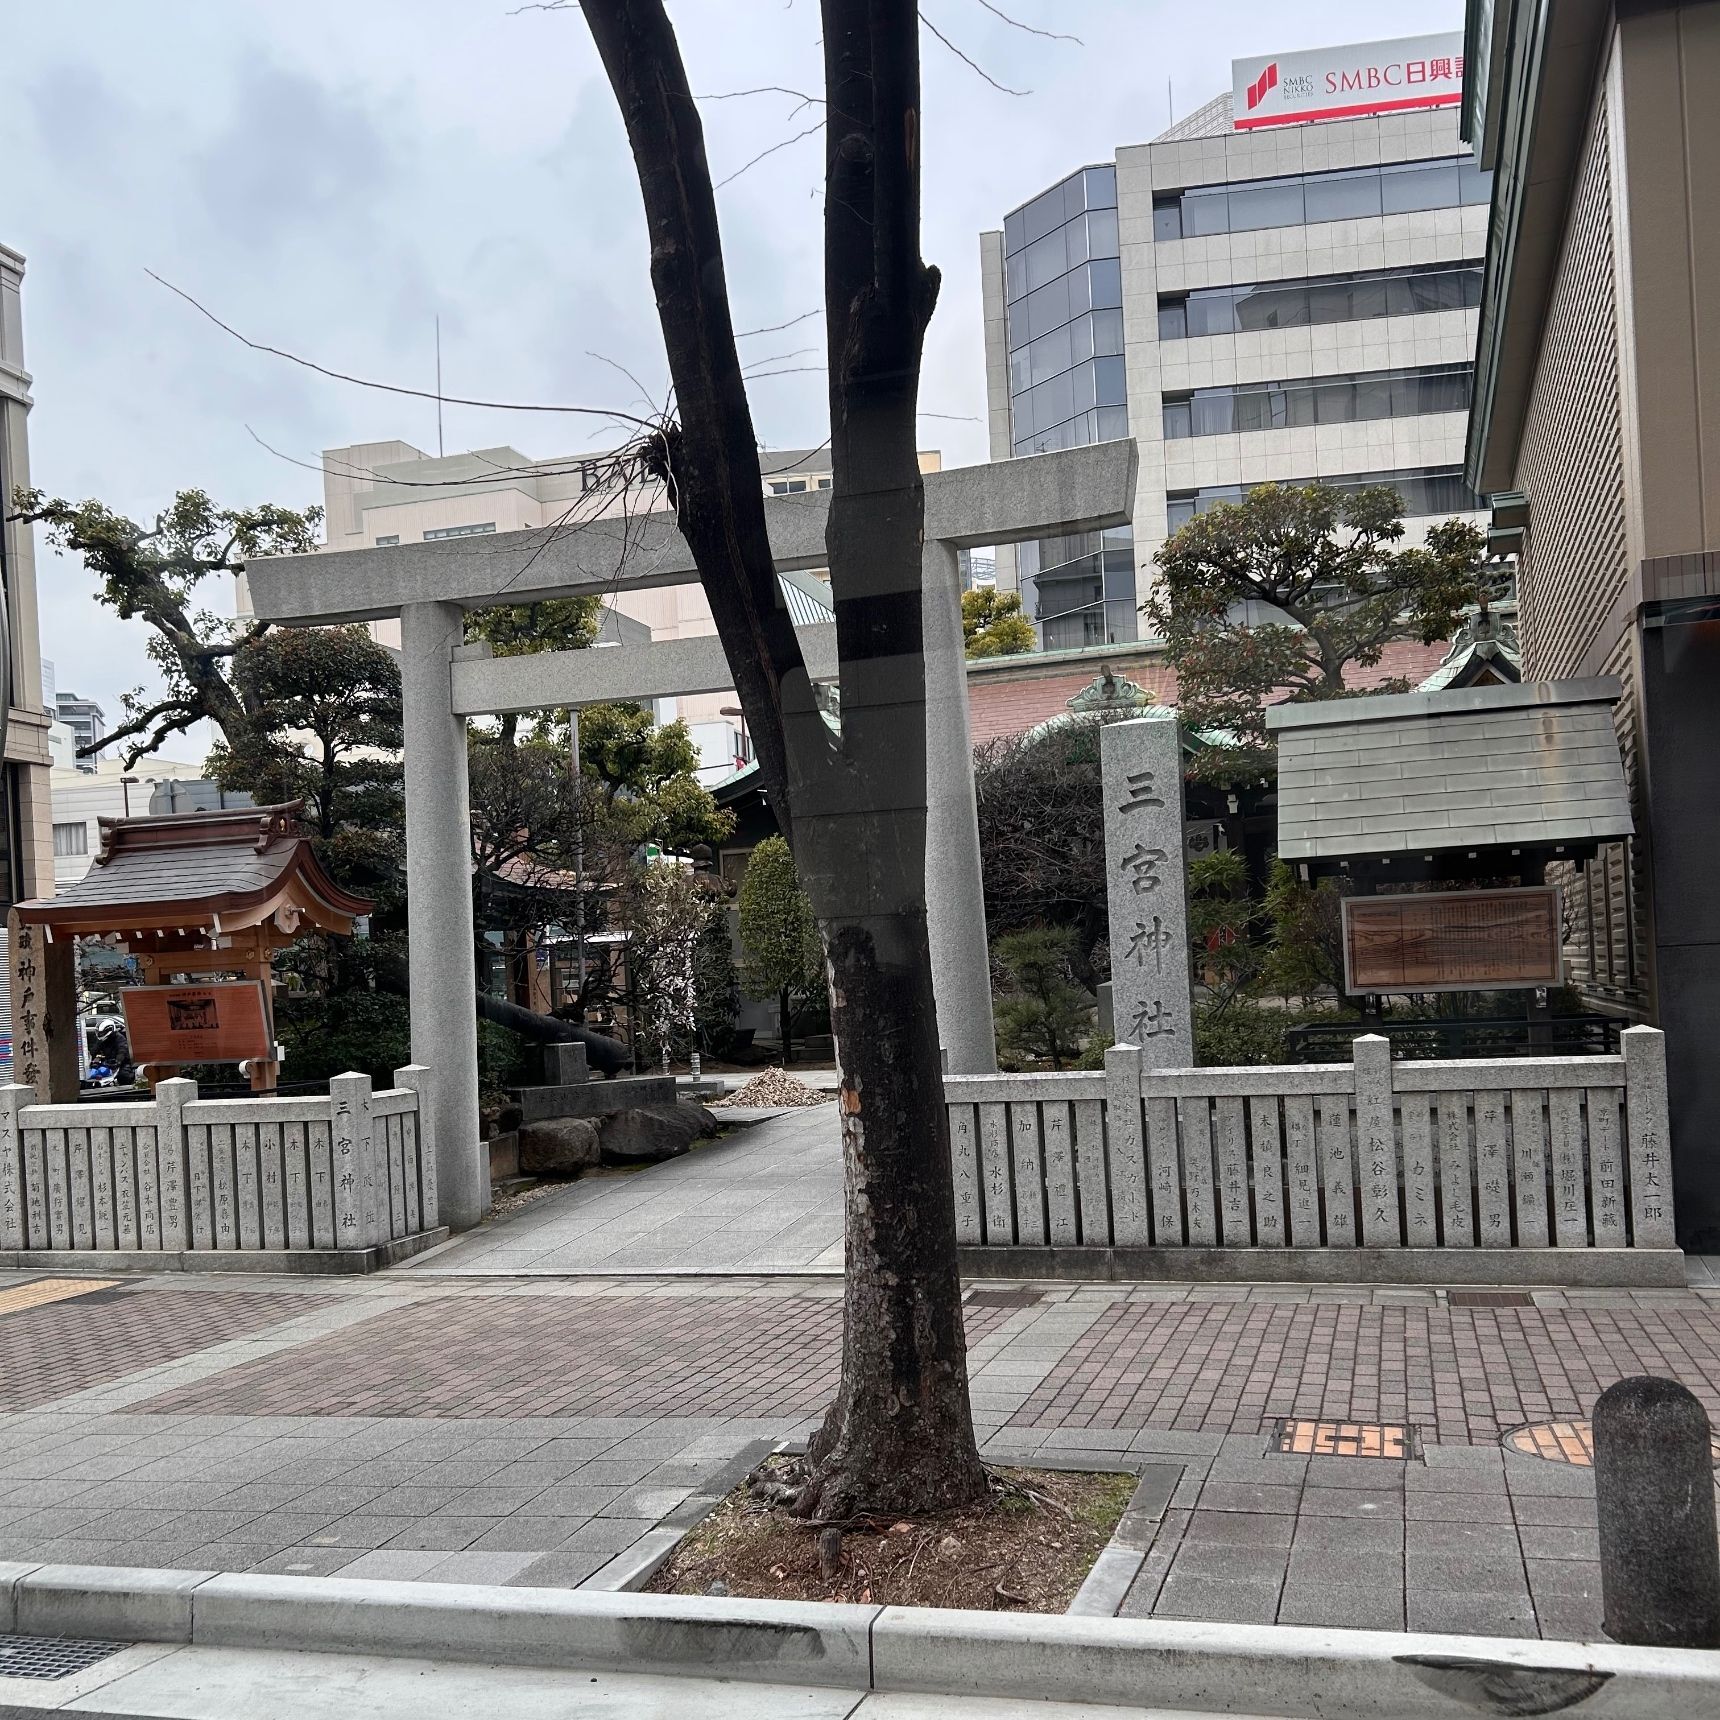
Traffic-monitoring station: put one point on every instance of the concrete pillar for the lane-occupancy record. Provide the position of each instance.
(443, 966)
(955, 894)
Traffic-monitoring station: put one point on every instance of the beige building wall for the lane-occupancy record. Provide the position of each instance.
(26, 753)
(1204, 151)
(381, 492)
(1619, 455)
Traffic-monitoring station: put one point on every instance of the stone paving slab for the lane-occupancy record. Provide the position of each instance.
(767, 1197)
(530, 1430)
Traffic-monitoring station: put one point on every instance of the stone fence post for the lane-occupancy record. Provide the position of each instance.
(1649, 1147)
(421, 1079)
(172, 1174)
(13, 1098)
(1376, 1140)
(354, 1170)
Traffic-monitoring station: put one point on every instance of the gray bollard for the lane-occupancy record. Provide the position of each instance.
(1654, 1496)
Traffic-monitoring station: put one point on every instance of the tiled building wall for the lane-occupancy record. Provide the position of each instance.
(1576, 561)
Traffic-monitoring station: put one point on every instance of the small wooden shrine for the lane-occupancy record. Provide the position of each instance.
(202, 901)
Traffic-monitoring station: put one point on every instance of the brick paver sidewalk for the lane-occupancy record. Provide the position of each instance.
(528, 1430)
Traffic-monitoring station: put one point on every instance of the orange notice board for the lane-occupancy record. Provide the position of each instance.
(223, 1023)
(1460, 940)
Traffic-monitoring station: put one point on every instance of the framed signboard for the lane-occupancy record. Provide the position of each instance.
(1460, 940)
(221, 1023)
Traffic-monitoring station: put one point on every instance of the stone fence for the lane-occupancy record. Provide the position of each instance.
(1520, 1170)
(342, 1181)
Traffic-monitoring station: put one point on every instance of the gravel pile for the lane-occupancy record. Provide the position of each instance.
(774, 1087)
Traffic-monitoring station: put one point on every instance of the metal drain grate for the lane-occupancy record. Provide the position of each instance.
(1489, 1299)
(51, 1656)
(1570, 1441)
(1387, 1440)
(1002, 1298)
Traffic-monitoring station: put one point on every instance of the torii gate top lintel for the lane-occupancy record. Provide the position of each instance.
(967, 507)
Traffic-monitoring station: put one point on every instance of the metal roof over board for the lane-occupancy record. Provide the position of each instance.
(1533, 766)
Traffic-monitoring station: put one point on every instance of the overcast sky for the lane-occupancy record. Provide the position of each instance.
(329, 178)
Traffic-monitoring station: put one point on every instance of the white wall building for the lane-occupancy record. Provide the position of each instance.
(1282, 287)
(84, 795)
(391, 492)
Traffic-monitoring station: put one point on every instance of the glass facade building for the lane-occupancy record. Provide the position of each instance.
(1064, 292)
(1241, 329)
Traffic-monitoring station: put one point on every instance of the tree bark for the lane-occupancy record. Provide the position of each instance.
(900, 1434)
(899, 1437)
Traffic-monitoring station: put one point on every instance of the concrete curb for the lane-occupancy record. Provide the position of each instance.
(259, 1262)
(1541, 1268)
(1261, 1669)
(1282, 1669)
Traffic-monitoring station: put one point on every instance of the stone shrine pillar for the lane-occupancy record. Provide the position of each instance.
(1152, 992)
(442, 971)
(955, 893)
(44, 979)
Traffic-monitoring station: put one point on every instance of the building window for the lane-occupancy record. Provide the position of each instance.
(1352, 399)
(787, 486)
(70, 839)
(824, 483)
(1320, 299)
(439, 532)
(1424, 490)
(1307, 198)
(393, 537)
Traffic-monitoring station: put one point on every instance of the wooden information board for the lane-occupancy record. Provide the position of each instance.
(1463, 940)
(220, 1023)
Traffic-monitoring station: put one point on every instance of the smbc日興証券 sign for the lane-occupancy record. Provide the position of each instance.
(1345, 83)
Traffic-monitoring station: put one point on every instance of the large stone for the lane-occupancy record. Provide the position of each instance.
(647, 1134)
(592, 1098)
(559, 1147)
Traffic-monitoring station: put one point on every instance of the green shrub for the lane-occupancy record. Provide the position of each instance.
(1042, 1012)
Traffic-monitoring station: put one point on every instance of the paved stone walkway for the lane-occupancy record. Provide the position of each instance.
(530, 1429)
(767, 1198)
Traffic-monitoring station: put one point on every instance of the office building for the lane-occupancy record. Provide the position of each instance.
(26, 808)
(1281, 287)
(1596, 431)
(85, 720)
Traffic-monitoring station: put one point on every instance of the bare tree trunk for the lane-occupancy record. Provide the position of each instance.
(900, 1434)
(899, 1437)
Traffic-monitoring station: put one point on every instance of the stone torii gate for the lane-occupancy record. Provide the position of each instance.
(430, 586)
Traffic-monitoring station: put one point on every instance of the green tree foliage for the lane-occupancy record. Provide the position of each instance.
(992, 623)
(1042, 1014)
(782, 955)
(1305, 954)
(1221, 924)
(524, 629)
(1332, 566)
(717, 986)
(327, 732)
(155, 573)
(644, 775)
(667, 911)
(1042, 837)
